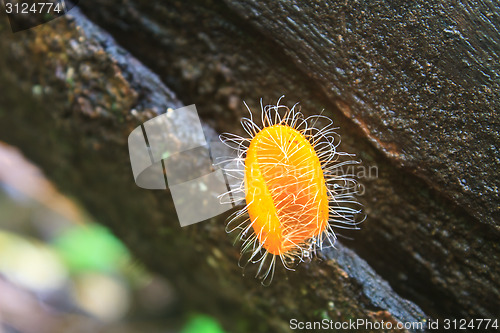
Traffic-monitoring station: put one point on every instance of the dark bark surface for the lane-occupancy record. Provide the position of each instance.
(73, 98)
(421, 79)
(414, 94)
(420, 234)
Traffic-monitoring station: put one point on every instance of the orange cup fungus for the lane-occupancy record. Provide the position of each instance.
(285, 189)
(295, 190)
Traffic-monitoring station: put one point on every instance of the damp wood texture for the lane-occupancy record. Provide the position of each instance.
(413, 87)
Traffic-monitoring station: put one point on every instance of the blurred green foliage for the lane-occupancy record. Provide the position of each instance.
(91, 248)
(202, 324)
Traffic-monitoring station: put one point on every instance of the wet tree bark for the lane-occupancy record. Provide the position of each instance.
(414, 91)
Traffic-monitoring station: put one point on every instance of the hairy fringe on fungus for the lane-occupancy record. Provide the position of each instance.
(291, 177)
